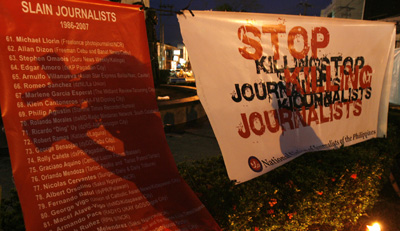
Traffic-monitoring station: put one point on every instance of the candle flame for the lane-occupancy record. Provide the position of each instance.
(374, 227)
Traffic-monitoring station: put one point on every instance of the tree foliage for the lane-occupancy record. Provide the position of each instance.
(237, 5)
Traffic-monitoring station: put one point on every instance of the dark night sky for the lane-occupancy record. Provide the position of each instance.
(172, 32)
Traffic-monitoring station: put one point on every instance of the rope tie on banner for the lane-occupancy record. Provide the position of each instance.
(139, 3)
(181, 12)
(166, 11)
(187, 8)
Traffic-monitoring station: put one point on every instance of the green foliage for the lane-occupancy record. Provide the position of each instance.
(237, 5)
(10, 213)
(224, 7)
(317, 191)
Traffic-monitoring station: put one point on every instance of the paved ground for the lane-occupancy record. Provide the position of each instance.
(193, 143)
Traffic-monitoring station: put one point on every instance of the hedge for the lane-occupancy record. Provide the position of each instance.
(11, 214)
(326, 190)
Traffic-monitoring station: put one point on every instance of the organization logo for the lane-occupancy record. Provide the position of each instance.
(255, 164)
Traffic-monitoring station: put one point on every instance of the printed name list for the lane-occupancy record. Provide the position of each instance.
(86, 140)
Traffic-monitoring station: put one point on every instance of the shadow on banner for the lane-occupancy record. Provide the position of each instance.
(110, 135)
(292, 119)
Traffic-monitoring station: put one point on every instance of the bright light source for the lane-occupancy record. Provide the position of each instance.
(374, 227)
(182, 61)
(173, 65)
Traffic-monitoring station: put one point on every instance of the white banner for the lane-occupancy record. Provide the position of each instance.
(277, 86)
(395, 86)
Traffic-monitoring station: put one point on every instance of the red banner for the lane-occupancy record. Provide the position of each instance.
(86, 140)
